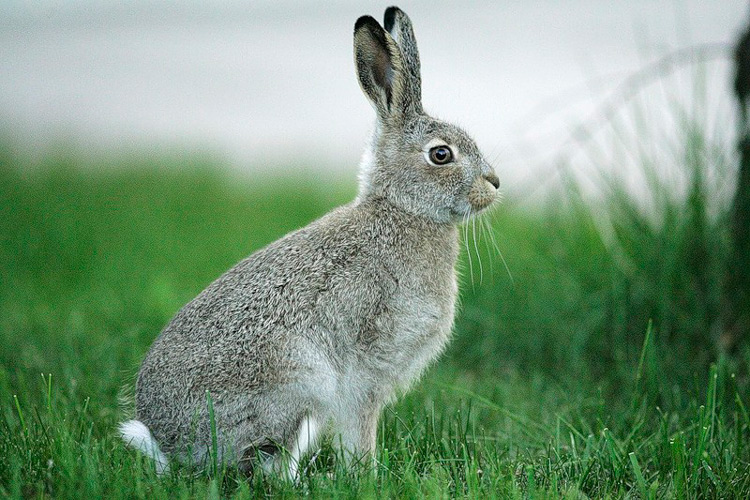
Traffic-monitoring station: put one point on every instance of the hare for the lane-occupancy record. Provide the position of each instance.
(316, 332)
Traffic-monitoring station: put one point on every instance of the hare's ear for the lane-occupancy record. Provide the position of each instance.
(398, 24)
(379, 67)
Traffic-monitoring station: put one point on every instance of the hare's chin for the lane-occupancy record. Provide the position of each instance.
(481, 203)
(477, 211)
(471, 210)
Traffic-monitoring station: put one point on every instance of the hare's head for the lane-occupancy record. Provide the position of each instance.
(421, 164)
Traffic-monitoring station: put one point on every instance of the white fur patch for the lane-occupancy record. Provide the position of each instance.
(136, 435)
(367, 163)
(307, 438)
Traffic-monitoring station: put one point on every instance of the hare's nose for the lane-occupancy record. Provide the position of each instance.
(492, 179)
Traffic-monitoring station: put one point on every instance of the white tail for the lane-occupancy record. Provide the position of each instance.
(137, 435)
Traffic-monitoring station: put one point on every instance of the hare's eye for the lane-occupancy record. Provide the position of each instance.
(441, 155)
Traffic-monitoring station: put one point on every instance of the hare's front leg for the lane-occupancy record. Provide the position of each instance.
(356, 435)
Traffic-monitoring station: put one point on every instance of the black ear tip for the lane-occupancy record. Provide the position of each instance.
(389, 19)
(367, 21)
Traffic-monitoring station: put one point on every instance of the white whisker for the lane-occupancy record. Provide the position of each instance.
(476, 248)
(466, 244)
(500, 254)
(484, 227)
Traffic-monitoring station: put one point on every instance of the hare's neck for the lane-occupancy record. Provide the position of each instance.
(412, 232)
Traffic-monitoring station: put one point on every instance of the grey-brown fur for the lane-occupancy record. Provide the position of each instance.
(318, 330)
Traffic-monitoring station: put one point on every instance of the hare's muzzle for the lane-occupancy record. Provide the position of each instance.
(484, 191)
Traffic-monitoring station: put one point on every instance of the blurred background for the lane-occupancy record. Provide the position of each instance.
(263, 83)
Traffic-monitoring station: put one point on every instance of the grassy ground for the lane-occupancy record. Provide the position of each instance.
(592, 373)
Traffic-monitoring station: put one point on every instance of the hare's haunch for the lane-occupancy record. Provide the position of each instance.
(317, 331)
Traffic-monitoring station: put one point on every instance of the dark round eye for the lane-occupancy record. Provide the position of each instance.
(440, 155)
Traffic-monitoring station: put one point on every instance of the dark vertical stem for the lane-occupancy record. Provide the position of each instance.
(736, 314)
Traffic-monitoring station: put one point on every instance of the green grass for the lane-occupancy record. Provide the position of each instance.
(594, 372)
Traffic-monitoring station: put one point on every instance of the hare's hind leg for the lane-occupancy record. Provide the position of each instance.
(306, 440)
(283, 458)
